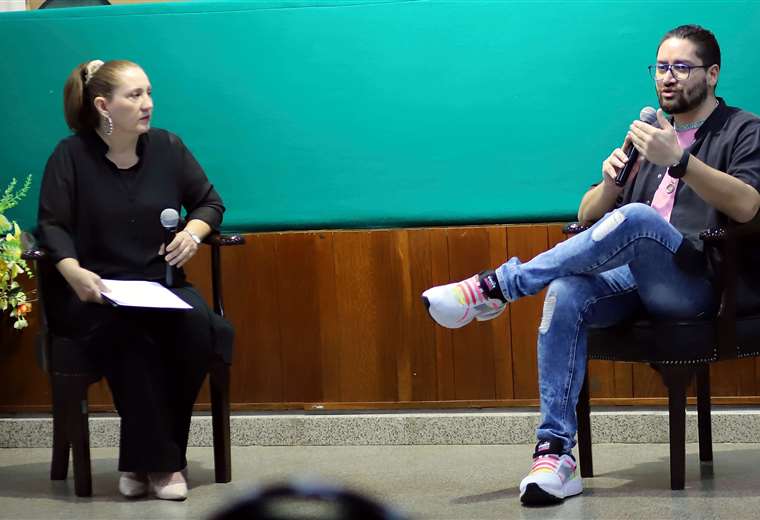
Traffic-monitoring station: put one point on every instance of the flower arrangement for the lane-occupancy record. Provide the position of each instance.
(12, 295)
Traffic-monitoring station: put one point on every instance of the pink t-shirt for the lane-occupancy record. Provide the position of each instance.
(665, 196)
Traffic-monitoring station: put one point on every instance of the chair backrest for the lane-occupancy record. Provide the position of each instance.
(56, 352)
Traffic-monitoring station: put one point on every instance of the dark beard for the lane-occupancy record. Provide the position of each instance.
(687, 100)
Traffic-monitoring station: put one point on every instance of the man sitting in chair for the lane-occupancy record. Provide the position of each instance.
(644, 251)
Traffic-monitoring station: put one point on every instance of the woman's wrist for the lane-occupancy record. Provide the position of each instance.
(195, 237)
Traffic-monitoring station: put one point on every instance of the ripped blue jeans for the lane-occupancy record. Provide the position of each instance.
(598, 278)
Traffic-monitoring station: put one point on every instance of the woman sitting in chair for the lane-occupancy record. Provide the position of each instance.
(102, 194)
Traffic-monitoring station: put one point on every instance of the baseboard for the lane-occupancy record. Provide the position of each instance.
(399, 428)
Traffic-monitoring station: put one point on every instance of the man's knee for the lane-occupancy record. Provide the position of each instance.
(634, 213)
(564, 297)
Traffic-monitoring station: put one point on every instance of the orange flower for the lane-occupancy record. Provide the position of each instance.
(24, 309)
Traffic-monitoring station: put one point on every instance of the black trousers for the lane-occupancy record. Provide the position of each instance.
(155, 362)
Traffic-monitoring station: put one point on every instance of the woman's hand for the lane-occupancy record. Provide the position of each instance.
(86, 284)
(180, 250)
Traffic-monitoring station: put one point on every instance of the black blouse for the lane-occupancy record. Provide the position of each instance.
(108, 218)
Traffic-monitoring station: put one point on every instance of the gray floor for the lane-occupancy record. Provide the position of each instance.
(457, 482)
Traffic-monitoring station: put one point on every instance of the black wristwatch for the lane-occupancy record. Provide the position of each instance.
(678, 169)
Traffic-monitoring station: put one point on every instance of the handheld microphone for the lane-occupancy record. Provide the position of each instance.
(649, 116)
(170, 221)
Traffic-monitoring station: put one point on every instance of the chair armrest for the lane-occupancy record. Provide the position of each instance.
(712, 235)
(34, 254)
(214, 239)
(732, 230)
(574, 228)
(32, 251)
(219, 239)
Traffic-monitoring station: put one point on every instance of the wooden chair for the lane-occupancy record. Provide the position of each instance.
(680, 350)
(70, 378)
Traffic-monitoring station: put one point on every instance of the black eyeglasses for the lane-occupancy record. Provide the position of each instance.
(680, 71)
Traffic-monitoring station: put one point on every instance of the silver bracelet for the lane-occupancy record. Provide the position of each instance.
(195, 237)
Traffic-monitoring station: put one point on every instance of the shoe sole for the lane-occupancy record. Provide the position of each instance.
(484, 317)
(134, 497)
(535, 496)
(491, 315)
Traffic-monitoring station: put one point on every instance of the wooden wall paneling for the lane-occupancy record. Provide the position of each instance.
(252, 306)
(329, 325)
(722, 378)
(500, 327)
(525, 242)
(99, 395)
(735, 377)
(647, 382)
(440, 273)
(727, 379)
(392, 354)
(409, 321)
(623, 380)
(745, 377)
(473, 345)
(306, 312)
(367, 274)
(420, 332)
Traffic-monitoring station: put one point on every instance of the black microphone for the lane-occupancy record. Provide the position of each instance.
(170, 221)
(648, 115)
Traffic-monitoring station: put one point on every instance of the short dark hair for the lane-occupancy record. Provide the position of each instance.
(707, 46)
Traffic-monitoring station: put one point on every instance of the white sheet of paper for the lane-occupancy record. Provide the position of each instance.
(139, 293)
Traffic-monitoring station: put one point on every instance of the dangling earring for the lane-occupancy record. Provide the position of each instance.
(109, 125)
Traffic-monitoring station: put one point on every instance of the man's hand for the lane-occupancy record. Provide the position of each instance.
(180, 250)
(614, 163)
(86, 284)
(658, 145)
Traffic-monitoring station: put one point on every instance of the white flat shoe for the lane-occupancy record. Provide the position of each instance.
(133, 485)
(169, 485)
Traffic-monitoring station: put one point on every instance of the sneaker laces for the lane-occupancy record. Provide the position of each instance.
(471, 294)
(545, 463)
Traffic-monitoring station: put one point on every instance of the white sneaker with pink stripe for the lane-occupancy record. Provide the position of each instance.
(456, 304)
(551, 479)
